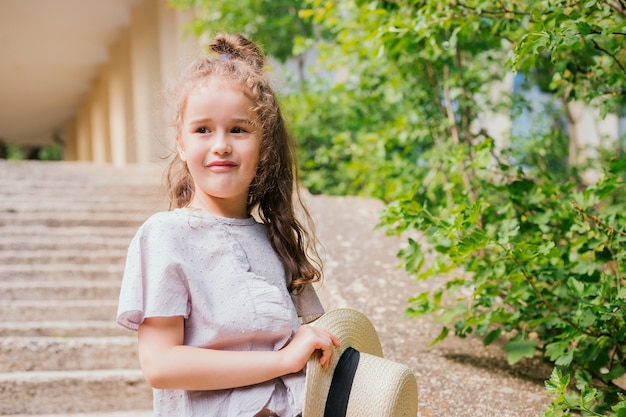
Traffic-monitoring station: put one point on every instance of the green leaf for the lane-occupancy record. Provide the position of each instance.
(617, 165)
(492, 336)
(536, 14)
(582, 378)
(588, 396)
(586, 318)
(577, 287)
(556, 349)
(565, 359)
(412, 256)
(420, 304)
(620, 408)
(584, 28)
(557, 384)
(442, 335)
(519, 349)
(449, 315)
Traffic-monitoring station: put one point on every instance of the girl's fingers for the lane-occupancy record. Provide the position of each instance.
(321, 340)
(328, 350)
(324, 358)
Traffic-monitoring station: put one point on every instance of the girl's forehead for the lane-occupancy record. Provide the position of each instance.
(215, 86)
(214, 82)
(219, 94)
(209, 85)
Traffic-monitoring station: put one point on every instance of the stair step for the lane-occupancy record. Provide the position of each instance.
(34, 242)
(90, 204)
(95, 232)
(63, 189)
(86, 328)
(70, 169)
(60, 187)
(59, 290)
(76, 220)
(55, 392)
(72, 199)
(60, 271)
(66, 256)
(40, 310)
(132, 413)
(18, 354)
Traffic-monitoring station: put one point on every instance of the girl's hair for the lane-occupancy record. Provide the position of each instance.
(274, 189)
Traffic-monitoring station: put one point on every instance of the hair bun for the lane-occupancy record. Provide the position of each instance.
(236, 46)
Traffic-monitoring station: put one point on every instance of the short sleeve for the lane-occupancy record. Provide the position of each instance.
(153, 284)
(308, 304)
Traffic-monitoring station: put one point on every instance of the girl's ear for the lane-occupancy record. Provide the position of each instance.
(180, 149)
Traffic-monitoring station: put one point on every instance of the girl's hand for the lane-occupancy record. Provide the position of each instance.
(306, 341)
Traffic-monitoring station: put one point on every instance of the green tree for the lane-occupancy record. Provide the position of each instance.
(274, 24)
(541, 253)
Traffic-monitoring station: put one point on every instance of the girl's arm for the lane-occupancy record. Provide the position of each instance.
(168, 364)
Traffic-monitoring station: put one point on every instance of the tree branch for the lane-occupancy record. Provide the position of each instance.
(610, 230)
(548, 304)
(619, 64)
(493, 11)
(454, 131)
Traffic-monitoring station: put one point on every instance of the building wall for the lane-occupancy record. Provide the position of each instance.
(123, 119)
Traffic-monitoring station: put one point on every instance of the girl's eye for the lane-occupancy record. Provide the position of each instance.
(202, 130)
(238, 130)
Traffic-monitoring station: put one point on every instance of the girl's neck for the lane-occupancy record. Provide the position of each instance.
(221, 208)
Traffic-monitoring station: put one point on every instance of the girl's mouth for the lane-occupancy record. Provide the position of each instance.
(221, 164)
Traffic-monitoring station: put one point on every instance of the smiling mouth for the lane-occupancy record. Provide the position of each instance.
(221, 164)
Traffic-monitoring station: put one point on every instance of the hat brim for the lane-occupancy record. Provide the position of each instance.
(380, 388)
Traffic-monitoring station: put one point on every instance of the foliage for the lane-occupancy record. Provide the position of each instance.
(44, 153)
(50, 153)
(584, 42)
(341, 154)
(14, 152)
(537, 259)
(565, 403)
(275, 24)
(531, 252)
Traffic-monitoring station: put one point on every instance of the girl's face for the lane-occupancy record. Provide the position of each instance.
(219, 142)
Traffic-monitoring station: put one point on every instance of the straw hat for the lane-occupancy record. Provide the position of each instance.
(379, 387)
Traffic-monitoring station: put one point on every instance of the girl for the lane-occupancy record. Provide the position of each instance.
(218, 298)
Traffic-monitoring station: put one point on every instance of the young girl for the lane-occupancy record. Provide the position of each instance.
(219, 299)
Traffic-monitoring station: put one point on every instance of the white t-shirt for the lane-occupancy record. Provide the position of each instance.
(223, 276)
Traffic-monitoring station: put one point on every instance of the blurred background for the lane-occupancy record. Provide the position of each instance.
(84, 80)
(81, 80)
(492, 131)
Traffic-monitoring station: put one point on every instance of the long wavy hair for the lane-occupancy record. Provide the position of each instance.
(274, 191)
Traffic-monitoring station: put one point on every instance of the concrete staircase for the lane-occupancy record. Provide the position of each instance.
(64, 230)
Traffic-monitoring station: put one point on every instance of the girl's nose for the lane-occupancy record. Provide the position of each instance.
(221, 144)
